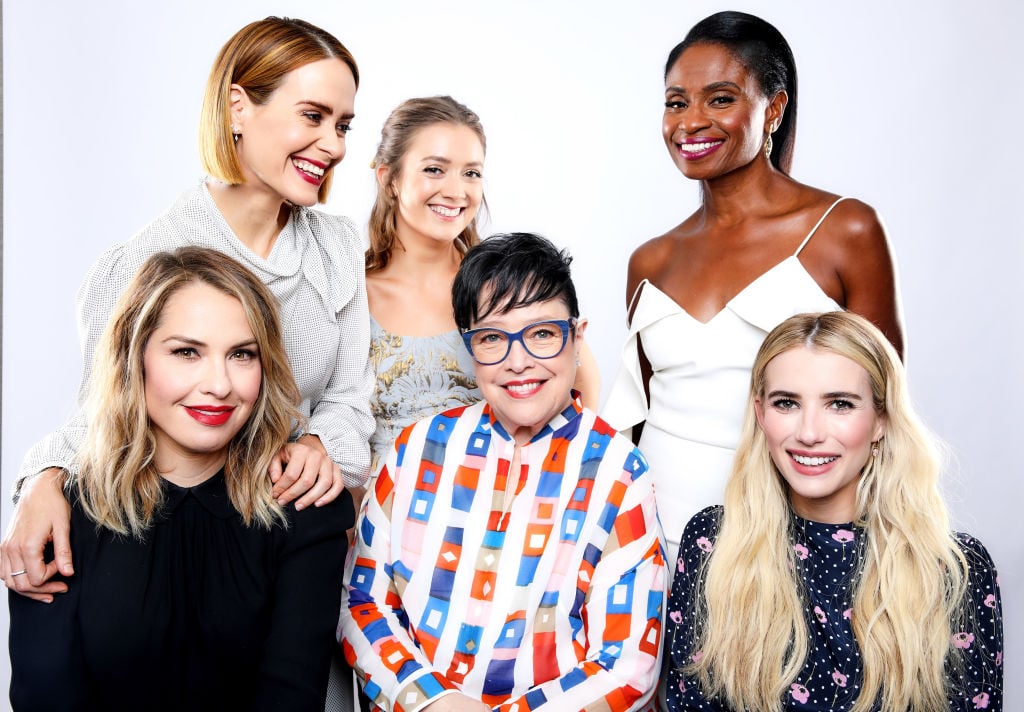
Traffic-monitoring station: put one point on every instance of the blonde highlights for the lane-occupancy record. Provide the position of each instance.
(257, 58)
(119, 486)
(397, 134)
(910, 587)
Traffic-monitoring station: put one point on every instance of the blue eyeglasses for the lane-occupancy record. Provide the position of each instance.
(542, 339)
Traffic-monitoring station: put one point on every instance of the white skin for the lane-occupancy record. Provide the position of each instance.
(439, 189)
(283, 147)
(202, 379)
(820, 423)
(526, 392)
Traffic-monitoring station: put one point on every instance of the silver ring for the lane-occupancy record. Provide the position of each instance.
(17, 573)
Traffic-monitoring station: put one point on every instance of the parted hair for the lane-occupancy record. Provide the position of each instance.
(119, 486)
(397, 134)
(764, 51)
(909, 590)
(257, 58)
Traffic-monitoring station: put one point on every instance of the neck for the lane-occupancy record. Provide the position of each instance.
(255, 216)
(746, 191)
(185, 468)
(413, 256)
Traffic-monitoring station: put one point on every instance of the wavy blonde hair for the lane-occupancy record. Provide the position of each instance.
(911, 584)
(405, 121)
(119, 485)
(257, 58)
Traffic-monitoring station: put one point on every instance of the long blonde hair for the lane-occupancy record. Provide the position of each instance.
(911, 584)
(397, 134)
(257, 58)
(119, 485)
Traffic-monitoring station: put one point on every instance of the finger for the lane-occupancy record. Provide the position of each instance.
(62, 549)
(336, 488)
(305, 480)
(320, 488)
(276, 466)
(21, 584)
(34, 565)
(298, 464)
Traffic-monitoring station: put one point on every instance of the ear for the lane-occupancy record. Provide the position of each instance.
(383, 173)
(240, 106)
(775, 111)
(759, 412)
(879, 429)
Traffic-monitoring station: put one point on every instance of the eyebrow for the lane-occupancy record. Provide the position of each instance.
(447, 161)
(844, 395)
(324, 108)
(196, 342)
(714, 86)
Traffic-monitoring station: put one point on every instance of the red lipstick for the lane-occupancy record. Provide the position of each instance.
(212, 415)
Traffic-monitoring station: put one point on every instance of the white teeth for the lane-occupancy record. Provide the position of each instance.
(446, 212)
(308, 167)
(522, 388)
(814, 461)
(697, 147)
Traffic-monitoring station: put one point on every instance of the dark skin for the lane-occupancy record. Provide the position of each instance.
(753, 216)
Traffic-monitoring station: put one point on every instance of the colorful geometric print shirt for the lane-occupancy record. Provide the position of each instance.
(548, 597)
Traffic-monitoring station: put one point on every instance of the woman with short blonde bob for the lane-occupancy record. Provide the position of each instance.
(193, 588)
(830, 580)
(279, 103)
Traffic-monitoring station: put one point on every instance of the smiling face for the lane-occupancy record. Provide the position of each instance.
(525, 392)
(819, 420)
(716, 116)
(202, 379)
(289, 144)
(439, 184)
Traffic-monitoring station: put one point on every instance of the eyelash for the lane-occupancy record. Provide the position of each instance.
(315, 118)
(437, 171)
(784, 404)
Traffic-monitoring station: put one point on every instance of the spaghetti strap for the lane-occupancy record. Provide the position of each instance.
(636, 294)
(816, 226)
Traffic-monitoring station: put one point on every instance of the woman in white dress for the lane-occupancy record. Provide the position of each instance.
(760, 248)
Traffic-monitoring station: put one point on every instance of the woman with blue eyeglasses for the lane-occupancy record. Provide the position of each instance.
(510, 553)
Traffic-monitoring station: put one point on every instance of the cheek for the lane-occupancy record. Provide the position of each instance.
(248, 384)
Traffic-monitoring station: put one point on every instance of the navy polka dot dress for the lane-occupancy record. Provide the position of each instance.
(827, 558)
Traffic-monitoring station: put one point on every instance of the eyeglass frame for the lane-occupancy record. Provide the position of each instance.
(568, 326)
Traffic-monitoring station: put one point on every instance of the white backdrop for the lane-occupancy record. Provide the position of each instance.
(904, 105)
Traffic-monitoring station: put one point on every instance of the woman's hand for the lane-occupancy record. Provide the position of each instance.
(456, 702)
(42, 515)
(303, 469)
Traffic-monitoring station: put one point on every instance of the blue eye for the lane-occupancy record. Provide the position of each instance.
(784, 404)
(840, 404)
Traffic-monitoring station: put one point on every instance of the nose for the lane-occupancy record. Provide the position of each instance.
(332, 143)
(452, 186)
(518, 359)
(810, 432)
(691, 120)
(216, 379)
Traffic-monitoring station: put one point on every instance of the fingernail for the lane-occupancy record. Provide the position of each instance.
(299, 507)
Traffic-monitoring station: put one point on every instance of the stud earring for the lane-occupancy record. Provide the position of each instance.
(235, 132)
(874, 449)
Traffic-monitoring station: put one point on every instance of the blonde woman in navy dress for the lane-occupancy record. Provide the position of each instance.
(830, 580)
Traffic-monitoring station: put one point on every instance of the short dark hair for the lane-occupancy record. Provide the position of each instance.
(508, 271)
(764, 51)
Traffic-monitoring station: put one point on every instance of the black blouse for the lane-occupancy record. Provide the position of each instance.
(205, 613)
(827, 557)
